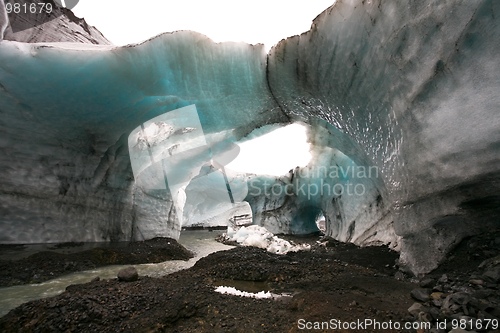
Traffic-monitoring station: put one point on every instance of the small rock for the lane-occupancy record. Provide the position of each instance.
(479, 304)
(437, 302)
(483, 294)
(493, 274)
(436, 295)
(434, 312)
(472, 245)
(443, 279)
(415, 309)
(427, 283)
(461, 298)
(490, 262)
(421, 294)
(447, 303)
(128, 274)
(96, 279)
(445, 314)
(424, 317)
(476, 282)
(438, 288)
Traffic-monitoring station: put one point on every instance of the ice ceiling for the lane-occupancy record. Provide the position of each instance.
(400, 98)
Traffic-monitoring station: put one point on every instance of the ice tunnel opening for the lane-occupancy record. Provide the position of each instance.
(273, 150)
(339, 186)
(321, 222)
(304, 221)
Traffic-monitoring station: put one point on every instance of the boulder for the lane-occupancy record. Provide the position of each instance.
(128, 274)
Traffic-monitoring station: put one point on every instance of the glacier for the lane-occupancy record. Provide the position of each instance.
(414, 85)
(400, 99)
(72, 179)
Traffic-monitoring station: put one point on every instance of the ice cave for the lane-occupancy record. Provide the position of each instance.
(400, 100)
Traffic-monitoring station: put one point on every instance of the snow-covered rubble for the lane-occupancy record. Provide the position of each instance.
(260, 237)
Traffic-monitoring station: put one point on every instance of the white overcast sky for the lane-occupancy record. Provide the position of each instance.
(274, 153)
(257, 21)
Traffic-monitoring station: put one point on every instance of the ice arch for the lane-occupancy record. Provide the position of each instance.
(408, 87)
(68, 109)
(339, 182)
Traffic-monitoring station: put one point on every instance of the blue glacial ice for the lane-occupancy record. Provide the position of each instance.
(407, 90)
(68, 109)
(413, 87)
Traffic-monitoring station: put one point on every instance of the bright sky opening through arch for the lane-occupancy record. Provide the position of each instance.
(274, 153)
(258, 21)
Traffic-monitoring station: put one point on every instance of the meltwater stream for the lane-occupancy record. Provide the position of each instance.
(202, 243)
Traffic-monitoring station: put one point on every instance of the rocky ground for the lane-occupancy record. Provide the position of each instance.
(464, 291)
(334, 283)
(48, 265)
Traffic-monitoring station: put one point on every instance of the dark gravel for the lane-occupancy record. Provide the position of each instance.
(47, 265)
(332, 281)
(322, 284)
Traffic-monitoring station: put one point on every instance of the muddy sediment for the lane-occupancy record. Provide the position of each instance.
(332, 284)
(316, 284)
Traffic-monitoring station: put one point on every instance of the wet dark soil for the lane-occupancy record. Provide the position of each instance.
(333, 283)
(48, 265)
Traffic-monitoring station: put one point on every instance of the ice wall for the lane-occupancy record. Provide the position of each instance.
(408, 87)
(415, 85)
(67, 110)
(4, 20)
